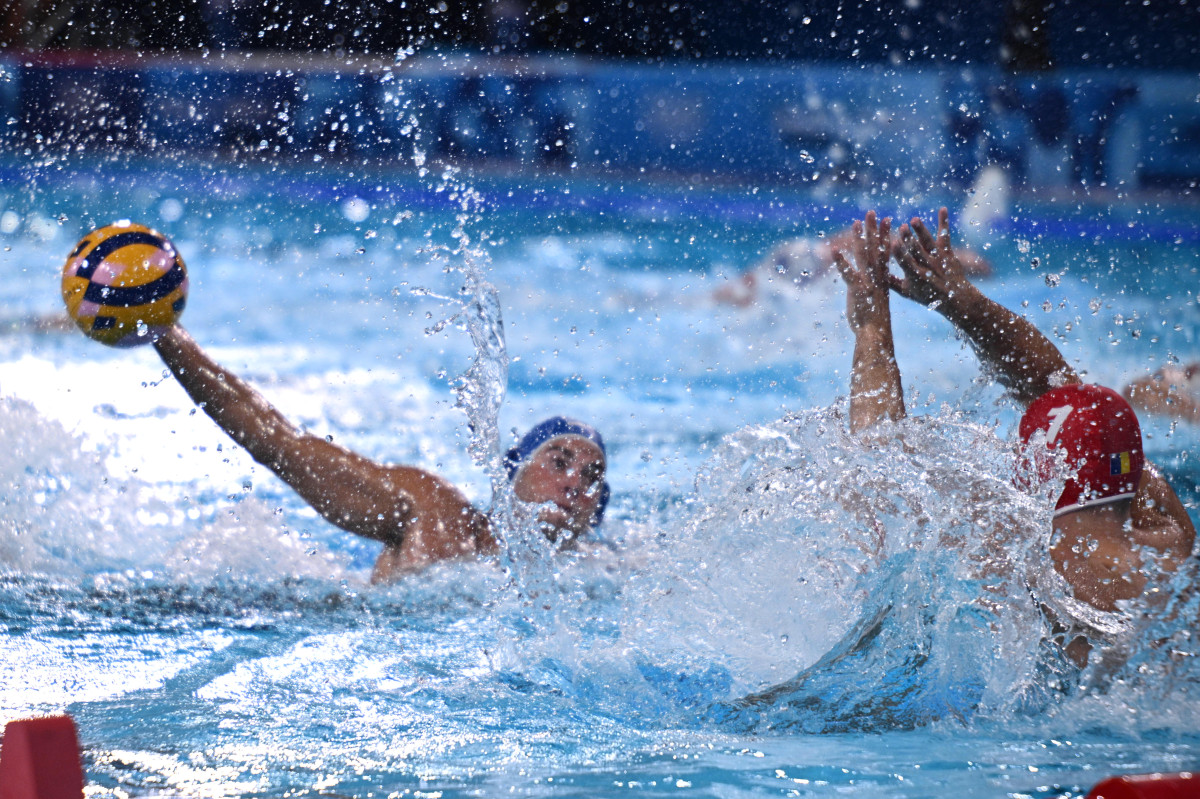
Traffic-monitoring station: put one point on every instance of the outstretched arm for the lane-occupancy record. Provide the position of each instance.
(418, 516)
(875, 391)
(1008, 345)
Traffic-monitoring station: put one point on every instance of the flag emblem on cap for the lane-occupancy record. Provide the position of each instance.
(1120, 463)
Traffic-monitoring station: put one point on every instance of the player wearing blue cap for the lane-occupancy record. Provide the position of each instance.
(420, 517)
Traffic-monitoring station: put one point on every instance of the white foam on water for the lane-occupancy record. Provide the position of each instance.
(736, 555)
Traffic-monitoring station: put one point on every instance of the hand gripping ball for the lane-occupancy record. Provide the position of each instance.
(124, 284)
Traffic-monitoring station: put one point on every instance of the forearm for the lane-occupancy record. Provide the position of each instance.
(1008, 345)
(875, 390)
(228, 400)
(385, 503)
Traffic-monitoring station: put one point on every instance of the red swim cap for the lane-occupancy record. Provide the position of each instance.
(1101, 437)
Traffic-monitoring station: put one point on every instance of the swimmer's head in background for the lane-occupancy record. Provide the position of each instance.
(544, 432)
(799, 260)
(1100, 436)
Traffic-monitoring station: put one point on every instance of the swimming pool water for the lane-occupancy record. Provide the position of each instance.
(213, 637)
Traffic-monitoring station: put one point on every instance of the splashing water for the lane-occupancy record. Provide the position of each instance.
(805, 582)
(66, 513)
(777, 602)
(479, 392)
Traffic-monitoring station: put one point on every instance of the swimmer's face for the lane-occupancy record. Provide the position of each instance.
(568, 472)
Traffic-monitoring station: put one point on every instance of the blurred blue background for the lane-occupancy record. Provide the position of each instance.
(901, 96)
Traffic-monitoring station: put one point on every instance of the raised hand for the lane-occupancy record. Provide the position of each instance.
(875, 391)
(933, 274)
(1009, 346)
(867, 279)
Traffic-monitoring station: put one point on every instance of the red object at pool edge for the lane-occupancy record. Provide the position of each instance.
(1184, 785)
(39, 759)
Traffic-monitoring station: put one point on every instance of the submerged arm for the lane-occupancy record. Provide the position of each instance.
(408, 509)
(1108, 562)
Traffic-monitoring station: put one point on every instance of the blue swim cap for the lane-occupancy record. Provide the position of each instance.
(554, 427)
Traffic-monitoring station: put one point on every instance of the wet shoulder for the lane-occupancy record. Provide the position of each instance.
(1156, 502)
(1159, 519)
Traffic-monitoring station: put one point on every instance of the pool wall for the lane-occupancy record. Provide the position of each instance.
(801, 124)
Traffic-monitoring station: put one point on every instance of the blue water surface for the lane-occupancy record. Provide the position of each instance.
(730, 633)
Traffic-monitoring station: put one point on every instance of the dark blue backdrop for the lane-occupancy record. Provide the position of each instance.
(856, 124)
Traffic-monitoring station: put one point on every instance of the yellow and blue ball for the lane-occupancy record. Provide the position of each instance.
(124, 284)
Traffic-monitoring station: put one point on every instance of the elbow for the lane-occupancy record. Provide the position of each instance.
(391, 528)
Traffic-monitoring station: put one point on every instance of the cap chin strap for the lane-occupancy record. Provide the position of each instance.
(1092, 503)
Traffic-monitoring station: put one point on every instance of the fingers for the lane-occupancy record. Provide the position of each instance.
(913, 261)
(872, 239)
(884, 239)
(926, 239)
(900, 285)
(943, 238)
(843, 265)
(930, 269)
(906, 249)
(922, 235)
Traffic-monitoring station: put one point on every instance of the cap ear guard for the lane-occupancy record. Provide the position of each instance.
(512, 462)
(602, 503)
(1100, 436)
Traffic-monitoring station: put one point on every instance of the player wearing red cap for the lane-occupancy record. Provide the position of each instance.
(1117, 510)
(1101, 440)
